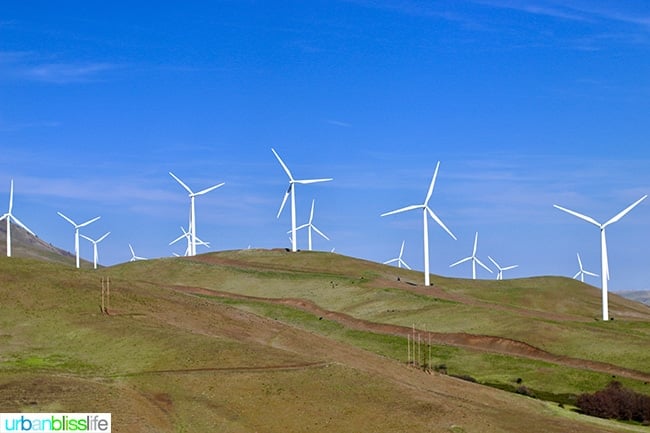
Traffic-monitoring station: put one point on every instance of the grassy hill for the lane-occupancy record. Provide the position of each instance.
(260, 340)
(24, 244)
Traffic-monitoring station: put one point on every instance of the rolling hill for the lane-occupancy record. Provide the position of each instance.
(24, 244)
(265, 340)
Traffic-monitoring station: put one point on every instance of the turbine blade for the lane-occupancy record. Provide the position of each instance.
(624, 211)
(87, 238)
(404, 209)
(405, 265)
(579, 215)
(590, 273)
(440, 223)
(284, 166)
(181, 182)
(579, 261)
(132, 253)
(311, 214)
(67, 219)
(284, 200)
(575, 277)
(178, 239)
(460, 261)
(307, 181)
(387, 262)
(298, 228)
(103, 237)
(401, 250)
(484, 267)
(475, 244)
(494, 262)
(88, 222)
(319, 232)
(507, 268)
(17, 221)
(431, 185)
(11, 196)
(209, 189)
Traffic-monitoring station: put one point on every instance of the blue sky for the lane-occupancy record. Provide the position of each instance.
(525, 103)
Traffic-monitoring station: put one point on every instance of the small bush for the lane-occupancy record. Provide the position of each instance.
(525, 391)
(466, 377)
(616, 402)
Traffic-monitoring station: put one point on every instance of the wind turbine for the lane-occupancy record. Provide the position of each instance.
(187, 235)
(500, 273)
(398, 259)
(133, 256)
(291, 190)
(474, 260)
(95, 242)
(192, 195)
(603, 244)
(425, 210)
(311, 226)
(76, 232)
(581, 273)
(9, 216)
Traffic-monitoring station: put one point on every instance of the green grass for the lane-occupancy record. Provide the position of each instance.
(57, 332)
(547, 380)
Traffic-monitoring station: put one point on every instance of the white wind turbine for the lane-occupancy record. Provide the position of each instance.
(291, 190)
(603, 245)
(192, 223)
(9, 216)
(425, 210)
(311, 226)
(582, 272)
(187, 235)
(500, 273)
(474, 260)
(398, 259)
(133, 256)
(76, 232)
(95, 242)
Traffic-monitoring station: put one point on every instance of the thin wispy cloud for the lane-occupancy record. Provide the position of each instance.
(14, 127)
(63, 73)
(338, 123)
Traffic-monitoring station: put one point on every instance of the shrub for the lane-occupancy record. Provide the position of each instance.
(525, 391)
(616, 402)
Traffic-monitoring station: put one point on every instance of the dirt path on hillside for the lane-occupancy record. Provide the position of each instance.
(481, 343)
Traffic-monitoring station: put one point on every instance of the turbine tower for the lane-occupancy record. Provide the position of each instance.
(192, 195)
(500, 273)
(76, 232)
(292, 190)
(95, 242)
(311, 226)
(603, 245)
(474, 260)
(581, 273)
(425, 210)
(9, 216)
(398, 259)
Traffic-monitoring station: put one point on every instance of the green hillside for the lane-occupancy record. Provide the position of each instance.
(260, 340)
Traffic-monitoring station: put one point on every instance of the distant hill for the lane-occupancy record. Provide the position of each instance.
(636, 295)
(25, 245)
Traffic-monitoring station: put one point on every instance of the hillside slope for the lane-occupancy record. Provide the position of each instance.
(25, 245)
(168, 359)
